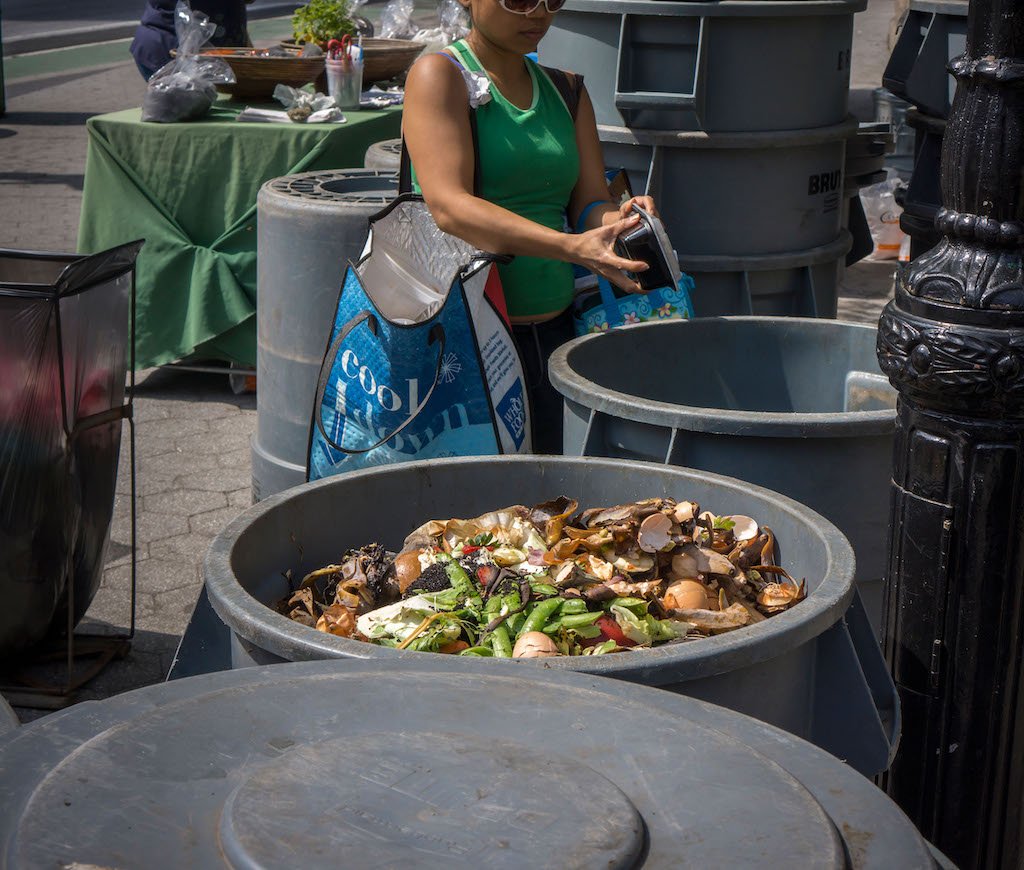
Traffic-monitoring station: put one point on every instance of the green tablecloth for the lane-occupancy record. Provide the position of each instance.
(190, 191)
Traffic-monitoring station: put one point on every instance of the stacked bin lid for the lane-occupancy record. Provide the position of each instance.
(415, 764)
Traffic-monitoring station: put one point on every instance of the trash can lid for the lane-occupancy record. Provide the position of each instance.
(328, 764)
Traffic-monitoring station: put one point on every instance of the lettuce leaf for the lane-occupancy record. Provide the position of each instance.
(645, 630)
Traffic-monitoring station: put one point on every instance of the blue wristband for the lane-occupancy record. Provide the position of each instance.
(581, 221)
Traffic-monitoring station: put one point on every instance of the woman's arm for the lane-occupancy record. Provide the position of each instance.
(437, 133)
(593, 185)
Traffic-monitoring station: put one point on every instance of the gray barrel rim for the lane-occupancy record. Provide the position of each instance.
(584, 391)
(827, 253)
(758, 140)
(264, 627)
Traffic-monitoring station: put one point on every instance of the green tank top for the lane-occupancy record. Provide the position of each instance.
(528, 164)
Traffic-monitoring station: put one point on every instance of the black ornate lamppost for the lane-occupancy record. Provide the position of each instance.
(952, 343)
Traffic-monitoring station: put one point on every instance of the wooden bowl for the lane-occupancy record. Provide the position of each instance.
(257, 75)
(383, 59)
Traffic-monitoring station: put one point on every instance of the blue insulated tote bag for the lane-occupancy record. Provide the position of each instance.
(421, 362)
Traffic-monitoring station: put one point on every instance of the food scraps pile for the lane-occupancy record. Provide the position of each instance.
(543, 581)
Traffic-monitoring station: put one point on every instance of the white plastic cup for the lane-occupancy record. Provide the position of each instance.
(344, 82)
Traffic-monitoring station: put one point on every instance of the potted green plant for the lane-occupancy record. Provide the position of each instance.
(322, 20)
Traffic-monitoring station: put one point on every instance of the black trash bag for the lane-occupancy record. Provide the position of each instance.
(185, 88)
(64, 352)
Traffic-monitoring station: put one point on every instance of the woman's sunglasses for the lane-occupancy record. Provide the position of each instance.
(525, 7)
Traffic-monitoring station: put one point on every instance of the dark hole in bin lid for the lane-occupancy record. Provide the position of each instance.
(383, 766)
(351, 186)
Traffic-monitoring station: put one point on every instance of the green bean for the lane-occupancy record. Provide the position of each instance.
(572, 620)
(500, 642)
(543, 588)
(479, 651)
(460, 580)
(540, 615)
(574, 605)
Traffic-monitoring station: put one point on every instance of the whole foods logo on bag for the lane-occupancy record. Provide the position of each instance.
(512, 411)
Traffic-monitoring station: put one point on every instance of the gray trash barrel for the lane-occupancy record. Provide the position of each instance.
(808, 670)
(385, 155)
(794, 283)
(718, 67)
(309, 226)
(422, 764)
(738, 193)
(796, 405)
(756, 218)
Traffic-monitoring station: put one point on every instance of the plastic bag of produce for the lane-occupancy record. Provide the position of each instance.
(453, 24)
(396, 20)
(185, 88)
(883, 217)
(421, 362)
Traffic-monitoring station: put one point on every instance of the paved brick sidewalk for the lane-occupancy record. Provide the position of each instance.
(192, 431)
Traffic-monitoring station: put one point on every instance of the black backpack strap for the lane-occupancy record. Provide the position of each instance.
(405, 166)
(569, 85)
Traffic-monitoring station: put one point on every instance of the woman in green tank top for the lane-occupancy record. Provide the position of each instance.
(536, 164)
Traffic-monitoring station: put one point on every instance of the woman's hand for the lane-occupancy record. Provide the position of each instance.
(645, 202)
(594, 250)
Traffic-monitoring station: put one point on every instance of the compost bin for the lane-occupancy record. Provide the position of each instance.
(793, 404)
(810, 670)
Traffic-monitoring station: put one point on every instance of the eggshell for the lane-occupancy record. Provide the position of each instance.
(407, 569)
(687, 595)
(535, 645)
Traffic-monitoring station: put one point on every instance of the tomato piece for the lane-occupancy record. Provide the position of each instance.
(609, 631)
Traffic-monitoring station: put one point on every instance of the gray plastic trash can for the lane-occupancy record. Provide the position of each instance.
(309, 227)
(385, 155)
(756, 218)
(738, 193)
(651, 64)
(809, 670)
(423, 764)
(797, 405)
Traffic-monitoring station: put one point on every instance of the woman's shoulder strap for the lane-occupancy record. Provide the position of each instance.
(569, 85)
